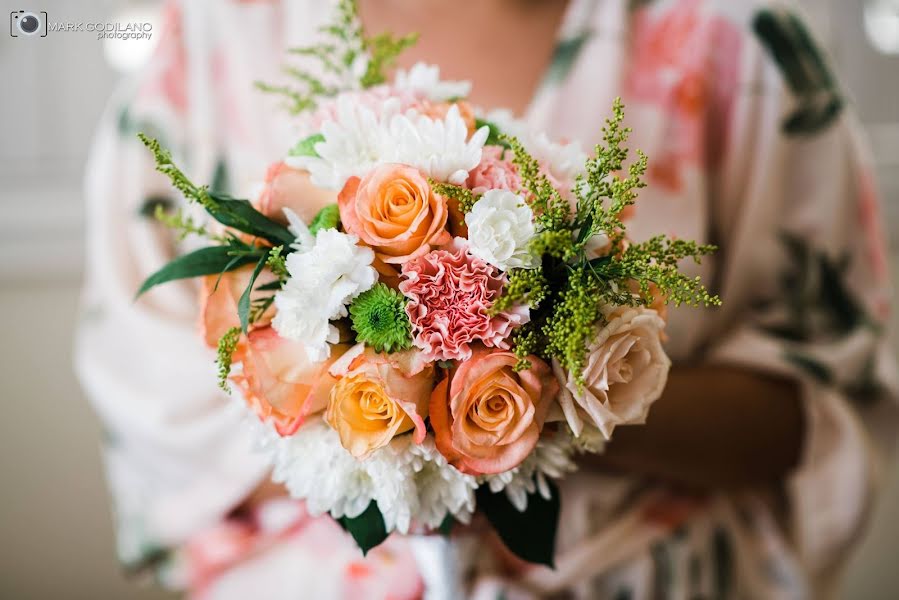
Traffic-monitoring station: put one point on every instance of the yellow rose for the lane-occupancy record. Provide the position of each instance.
(378, 398)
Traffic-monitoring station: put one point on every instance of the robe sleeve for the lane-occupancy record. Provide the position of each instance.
(177, 455)
(805, 279)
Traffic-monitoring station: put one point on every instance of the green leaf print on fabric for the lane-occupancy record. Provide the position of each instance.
(818, 299)
(662, 570)
(805, 69)
(128, 126)
(221, 179)
(811, 366)
(723, 560)
(564, 57)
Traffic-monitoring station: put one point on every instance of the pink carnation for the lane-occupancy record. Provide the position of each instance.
(493, 173)
(450, 294)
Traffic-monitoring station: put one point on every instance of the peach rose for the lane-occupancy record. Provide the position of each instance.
(377, 398)
(394, 210)
(487, 417)
(626, 372)
(280, 383)
(287, 187)
(218, 302)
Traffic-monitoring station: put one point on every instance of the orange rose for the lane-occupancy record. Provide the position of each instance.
(377, 398)
(393, 210)
(286, 187)
(279, 381)
(218, 303)
(487, 417)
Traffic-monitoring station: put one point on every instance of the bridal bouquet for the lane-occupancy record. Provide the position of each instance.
(431, 310)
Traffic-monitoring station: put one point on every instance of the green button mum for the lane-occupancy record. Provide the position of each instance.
(380, 321)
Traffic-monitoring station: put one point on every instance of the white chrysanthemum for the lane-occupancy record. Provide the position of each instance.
(552, 457)
(500, 230)
(325, 275)
(411, 483)
(353, 143)
(440, 148)
(563, 162)
(424, 79)
(360, 139)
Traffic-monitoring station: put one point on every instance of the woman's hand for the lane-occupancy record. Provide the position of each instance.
(715, 428)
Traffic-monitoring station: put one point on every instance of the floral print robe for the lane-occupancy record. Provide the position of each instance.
(752, 147)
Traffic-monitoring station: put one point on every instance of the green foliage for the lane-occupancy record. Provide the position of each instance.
(495, 137)
(383, 50)
(180, 181)
(379, 319)
(347, 59)
(531, 534)
(306, 146)
(182, 223)
(367, 529)
(568, 292)
(225, 354)
(327, 218)
(524, 286)
(463, 196)
(277, 263)
(205, 261)
(244, 303)
(551, 211)
(572, 326)
(231, 212)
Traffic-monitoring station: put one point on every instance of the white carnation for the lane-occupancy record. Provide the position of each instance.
(359, 139)
(324, 277)
(500, 230)
(424, 79)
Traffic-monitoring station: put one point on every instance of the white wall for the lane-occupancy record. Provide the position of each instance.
(55, 533)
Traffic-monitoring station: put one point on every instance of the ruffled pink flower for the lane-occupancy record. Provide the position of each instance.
(451, 293)
(493, 173)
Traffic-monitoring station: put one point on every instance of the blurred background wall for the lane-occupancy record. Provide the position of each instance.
(55, 531)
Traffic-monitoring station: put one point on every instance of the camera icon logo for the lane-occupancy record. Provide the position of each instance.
(23, 22)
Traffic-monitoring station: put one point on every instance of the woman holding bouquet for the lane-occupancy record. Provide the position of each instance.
(758, 465)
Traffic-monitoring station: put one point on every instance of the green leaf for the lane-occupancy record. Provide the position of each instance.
(530, 535)
(367, 529)
(494, 138)
(306, 147)
(446, 526)
(205, 261)
(240, 215)
(243, 305)
(327, 218)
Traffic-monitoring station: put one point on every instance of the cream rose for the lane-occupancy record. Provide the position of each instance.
(377, 398)
(626, 372)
